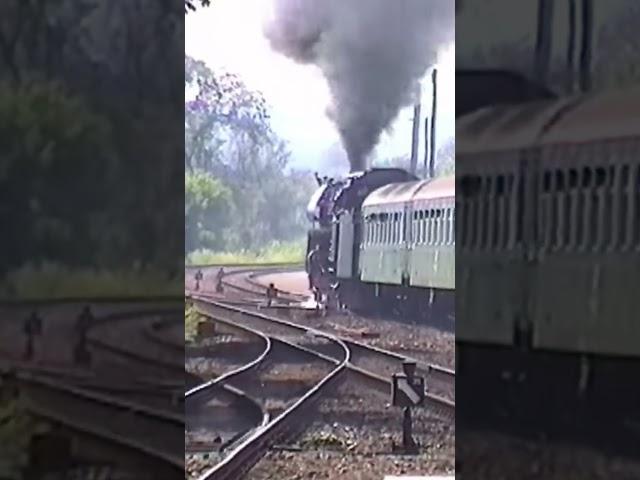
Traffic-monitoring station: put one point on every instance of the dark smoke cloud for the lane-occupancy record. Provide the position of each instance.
(372, 53)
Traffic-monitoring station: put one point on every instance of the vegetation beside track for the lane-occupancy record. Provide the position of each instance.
(275, 252)
(55, 282)
(191, 319)
(17, 428)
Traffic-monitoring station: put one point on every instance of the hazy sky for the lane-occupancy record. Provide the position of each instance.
(228, 36)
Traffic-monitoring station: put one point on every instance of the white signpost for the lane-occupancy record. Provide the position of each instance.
(407, 391)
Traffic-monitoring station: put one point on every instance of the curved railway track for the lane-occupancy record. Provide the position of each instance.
(152, 432)
(299, 338)
(369, 365)
(250, 448)
(133, 413)
(441, 379)
(196, 397)
(143, 349)
(243, 279)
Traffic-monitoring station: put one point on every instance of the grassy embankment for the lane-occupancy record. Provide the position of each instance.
(56, 282)
(277, 252)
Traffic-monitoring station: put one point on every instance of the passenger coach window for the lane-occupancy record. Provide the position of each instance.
(396, 228)
(424, 215)
(432, 227)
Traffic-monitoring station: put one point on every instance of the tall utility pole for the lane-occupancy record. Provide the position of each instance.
(586, 47)
(544, 38)
(571, 45)
(432, 140)
(415, 134)
(427, 148)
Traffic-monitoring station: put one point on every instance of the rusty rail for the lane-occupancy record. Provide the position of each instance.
(443, 405)
(253, 447)
(150, 431)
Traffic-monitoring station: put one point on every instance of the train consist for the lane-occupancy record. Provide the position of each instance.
(548, 247)
(384, 241)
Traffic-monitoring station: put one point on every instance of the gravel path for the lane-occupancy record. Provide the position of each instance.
(292, 282)
(219, 354)
(278, 385)
(198, 464)
(416, 340)
(55, 346)
(492, 456)
(352, 436)
(419, 341)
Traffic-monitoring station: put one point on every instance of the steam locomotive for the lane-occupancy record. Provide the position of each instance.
(386, 243)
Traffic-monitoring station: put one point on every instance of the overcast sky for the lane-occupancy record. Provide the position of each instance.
(228, 36)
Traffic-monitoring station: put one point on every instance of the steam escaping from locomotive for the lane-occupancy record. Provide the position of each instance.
(372, 53)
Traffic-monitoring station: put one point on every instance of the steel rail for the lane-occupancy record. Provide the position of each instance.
(145, 429)
(439, 403)
(245, 265)
(43, 301)
(430, 369)
(252, 447)
(106, 346)
(209, 388)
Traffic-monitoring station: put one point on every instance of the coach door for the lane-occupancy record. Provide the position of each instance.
(489, 247)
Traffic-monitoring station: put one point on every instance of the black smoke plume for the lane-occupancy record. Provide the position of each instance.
(372, 52)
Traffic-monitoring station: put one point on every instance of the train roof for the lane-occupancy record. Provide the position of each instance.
(422, 190)
(578, 119)
(477, 88)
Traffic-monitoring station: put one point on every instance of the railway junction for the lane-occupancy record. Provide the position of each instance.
(98, 386)
(290, 392)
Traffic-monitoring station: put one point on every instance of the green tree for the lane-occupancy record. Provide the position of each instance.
(112, 58)
(53, 151)
(222, 108)
(207, 209)
(228, 136)
(17, 428)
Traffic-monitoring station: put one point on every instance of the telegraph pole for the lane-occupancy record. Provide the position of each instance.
(432, 141)
(415, 134)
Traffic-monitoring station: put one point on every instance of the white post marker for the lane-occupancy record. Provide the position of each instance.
(409, 390)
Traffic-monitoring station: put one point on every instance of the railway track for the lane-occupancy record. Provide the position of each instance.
(378, 376)
(133, 412)
(236, 400)
(140, 348)
(361, 362)
(243, 280)
(287, 417)
(149, 431)
(299, 338)
(441, 379)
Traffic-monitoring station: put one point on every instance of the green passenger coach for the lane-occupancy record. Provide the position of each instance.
(408, 235)
(406, 250)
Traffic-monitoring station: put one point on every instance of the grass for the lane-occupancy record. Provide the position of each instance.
(276, 252)
(53, 282)
(17, 427)
(191, 319)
